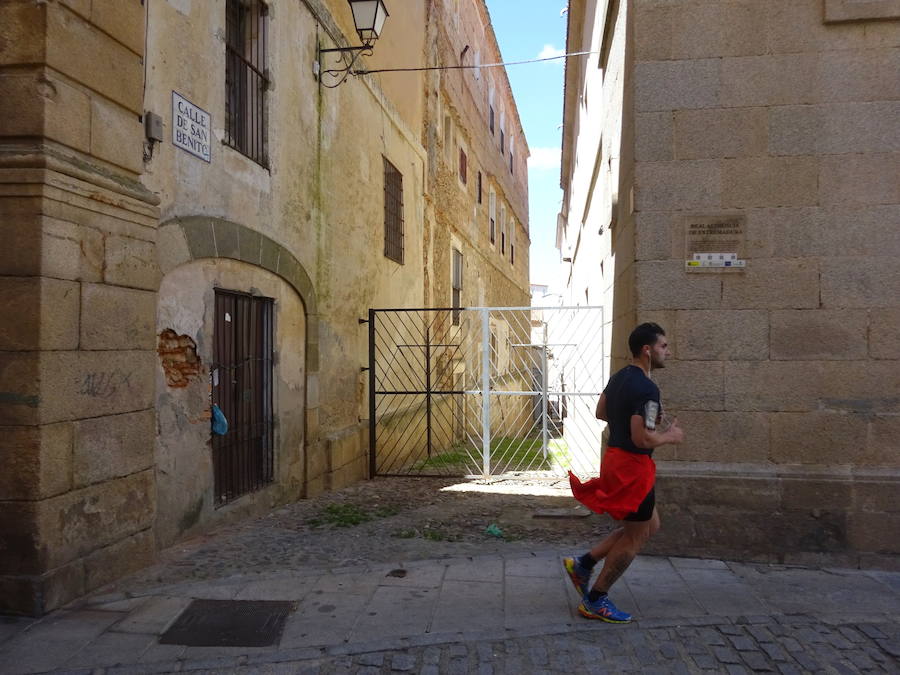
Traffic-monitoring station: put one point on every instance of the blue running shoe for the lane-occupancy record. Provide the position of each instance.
(602, 609)
(579, 575)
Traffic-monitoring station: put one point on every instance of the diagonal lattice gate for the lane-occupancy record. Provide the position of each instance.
(485, 391)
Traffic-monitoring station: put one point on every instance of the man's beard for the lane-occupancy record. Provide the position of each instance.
(657, 363)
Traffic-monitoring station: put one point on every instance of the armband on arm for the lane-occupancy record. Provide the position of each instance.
(650, 413)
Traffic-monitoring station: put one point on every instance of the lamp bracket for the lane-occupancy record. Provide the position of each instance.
(345, 49)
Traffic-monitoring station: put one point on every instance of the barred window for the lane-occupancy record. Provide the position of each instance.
(246, 80)
(393, 212)
(492, 214)
(502, 229)
(457, 283)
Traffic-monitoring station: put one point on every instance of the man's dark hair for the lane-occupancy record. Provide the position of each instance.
(645, 334)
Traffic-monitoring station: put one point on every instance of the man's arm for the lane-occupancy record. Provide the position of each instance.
(600, 412)
(649, 439)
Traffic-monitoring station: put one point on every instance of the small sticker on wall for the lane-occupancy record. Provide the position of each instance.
(227, 317)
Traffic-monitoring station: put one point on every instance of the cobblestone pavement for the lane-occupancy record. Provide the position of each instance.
(400, 576)
(411, 519)
(759, 644)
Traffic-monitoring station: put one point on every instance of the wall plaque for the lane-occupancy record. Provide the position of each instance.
(715, 243)
(191, 128)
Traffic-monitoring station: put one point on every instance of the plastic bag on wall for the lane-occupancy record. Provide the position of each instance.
(219, 422)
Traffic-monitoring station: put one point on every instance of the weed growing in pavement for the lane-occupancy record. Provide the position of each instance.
(349, 515)
(439, 535)
(429, 533)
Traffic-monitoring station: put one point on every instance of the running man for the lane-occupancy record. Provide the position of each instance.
(630, 404)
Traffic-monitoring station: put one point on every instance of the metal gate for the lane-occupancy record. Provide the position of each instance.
(485, 391)
(241, 379)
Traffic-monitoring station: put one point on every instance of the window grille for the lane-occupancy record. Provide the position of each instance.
(479, 188)
(393, 212)
(242, 376)
(246, 80)
(457, 283)
(492, 214)
(448, 138)
(462, 166)
(502, 230)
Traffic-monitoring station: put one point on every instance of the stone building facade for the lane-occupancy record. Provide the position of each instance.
(764, 133)
(199, 225)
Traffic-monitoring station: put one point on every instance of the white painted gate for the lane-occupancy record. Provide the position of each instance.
(485, 391)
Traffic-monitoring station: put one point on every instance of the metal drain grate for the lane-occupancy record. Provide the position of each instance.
(229, 623)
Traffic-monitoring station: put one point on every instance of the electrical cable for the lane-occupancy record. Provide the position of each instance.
(483, 65)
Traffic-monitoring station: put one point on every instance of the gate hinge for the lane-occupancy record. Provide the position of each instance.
(363, 369)
(363, 321)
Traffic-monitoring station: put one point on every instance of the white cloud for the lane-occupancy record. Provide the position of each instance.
(544, 158)
(549, 51)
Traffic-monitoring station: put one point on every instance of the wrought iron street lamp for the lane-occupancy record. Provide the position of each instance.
(368, 17)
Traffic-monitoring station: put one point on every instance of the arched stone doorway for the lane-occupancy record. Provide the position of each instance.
(205, 261)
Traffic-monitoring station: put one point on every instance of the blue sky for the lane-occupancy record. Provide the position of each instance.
(528, 29)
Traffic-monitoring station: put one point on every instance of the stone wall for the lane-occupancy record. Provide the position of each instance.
(458, 119)
(781, 376)
(77, 484)
(782, 115)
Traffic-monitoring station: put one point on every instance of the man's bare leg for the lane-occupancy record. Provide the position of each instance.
(624, 550)
(602, 548)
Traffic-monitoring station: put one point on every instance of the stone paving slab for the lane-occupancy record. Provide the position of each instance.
(287, 588)
(718, 592)
(660, 591)
(396, 612)
(798, 590)
(11, 626)
(530, 601)
(112, 649)
(488, 569)
(468, 605)
(153, 616)
(416, 575)
(325, 618)
(67, 632)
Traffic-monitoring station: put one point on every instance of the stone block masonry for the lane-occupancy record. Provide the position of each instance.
(784, 113)
(79, 275)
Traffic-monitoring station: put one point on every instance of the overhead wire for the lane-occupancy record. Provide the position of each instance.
(470, 67)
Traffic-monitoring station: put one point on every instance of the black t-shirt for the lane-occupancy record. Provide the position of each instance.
(627, 393)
